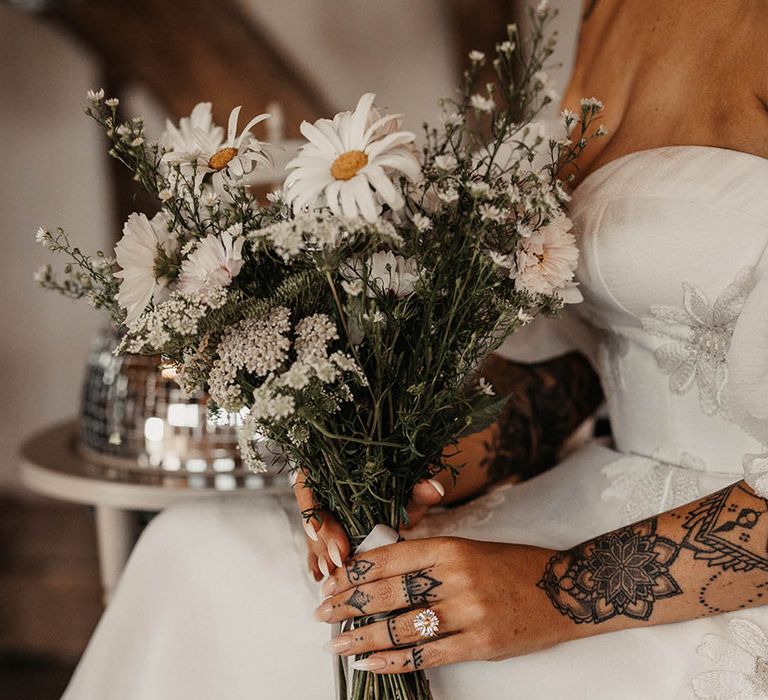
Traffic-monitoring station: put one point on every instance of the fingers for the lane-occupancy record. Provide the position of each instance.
(446, 650)
(422, 587)
(393, 633)
(426, 494)
(384, 562)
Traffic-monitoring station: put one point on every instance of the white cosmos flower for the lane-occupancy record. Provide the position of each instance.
(386, 273)
(348, 161)
(215, 262)
(140, 253)
(185, 142)
(546, 260)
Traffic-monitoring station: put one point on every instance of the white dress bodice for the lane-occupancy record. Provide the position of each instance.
(674, 253)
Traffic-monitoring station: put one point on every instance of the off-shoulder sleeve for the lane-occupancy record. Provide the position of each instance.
(748, 376)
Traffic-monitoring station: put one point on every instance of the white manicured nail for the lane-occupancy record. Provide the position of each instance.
(437, 486)
(334, 553)
(372, 663)
(310, 531)
(323, 566)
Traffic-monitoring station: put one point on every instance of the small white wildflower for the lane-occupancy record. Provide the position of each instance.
(601, 130)
(543, 8)
(506, 47)
(505, 261)
(42, 273)
(451, 118)
(513, 192)
(43, 237)
(445, 162)
(421, 222)
(188, 247)
(524, 317)
(353, 287)
(524, 231)
(209, 198)
(591, 104)
(137, 142)
(165, 194)
(570, 119)
(486, 387)
(296, 377)
(123, 130)
(95, 96)
(476, 56)
(482, 103)
(479, 189)
(313, 335)
(112, 102)
(489, 212)
(449, 195)
(376, 317)
(275, 196)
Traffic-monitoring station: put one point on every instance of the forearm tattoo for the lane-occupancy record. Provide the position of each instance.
(547, 402)
(719, 542)
(621, 573)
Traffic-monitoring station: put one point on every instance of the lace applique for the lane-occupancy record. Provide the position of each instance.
(756, 473)
(476, 512)
(647, 487)
(701, 337)
(742, 654)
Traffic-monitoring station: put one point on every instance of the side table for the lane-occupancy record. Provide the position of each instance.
(52, 466)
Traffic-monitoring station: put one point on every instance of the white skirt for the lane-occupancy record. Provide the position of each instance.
(216, 602)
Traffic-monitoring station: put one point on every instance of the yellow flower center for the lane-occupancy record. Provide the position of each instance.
(348, 164)
(220, 159)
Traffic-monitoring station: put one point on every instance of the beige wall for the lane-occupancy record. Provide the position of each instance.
(53, 163)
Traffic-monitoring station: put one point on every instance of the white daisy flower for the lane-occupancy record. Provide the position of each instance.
(215, 262)
(232, 160)
(349, 161)
(421, 222)
(141, 254)
(489, 212)
(185, 142)
(448, 196)
(95, 96)
(476, 56)
(546, 260)
(43, 237)
(506, 47)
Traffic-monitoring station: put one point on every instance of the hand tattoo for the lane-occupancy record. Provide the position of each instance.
(358, 600)
(547, 402)
(357, 569)
(419, 587)
(621, 573)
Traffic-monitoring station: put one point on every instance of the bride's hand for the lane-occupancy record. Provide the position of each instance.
(484, 595)
(327, 544)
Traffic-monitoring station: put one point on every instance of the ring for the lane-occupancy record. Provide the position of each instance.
(427, 623)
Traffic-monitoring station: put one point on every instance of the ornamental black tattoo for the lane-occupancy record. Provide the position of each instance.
(357, 569)
(419, 587)
(621, 573)
(417, 653)
(729, 529)
(547, 402)
(394, 637)
(358, 600)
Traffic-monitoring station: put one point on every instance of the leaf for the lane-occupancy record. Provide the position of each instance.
(484, 416)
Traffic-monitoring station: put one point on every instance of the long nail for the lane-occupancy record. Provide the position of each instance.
(372, 663)
(329, 586)
(323, 612)
(310, 531)
(437, 486)
(323, 565)
(338, 644)
(334, 553)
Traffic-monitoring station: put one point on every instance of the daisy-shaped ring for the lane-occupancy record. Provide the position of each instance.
(427, 623)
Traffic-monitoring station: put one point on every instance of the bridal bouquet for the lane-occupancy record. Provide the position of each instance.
(347, 314)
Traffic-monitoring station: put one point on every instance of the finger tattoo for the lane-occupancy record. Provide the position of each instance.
(357, 569)
(419, 587)
(393, 635)
(417, 653)
(358, 600)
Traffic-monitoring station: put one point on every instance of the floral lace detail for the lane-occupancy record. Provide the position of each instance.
(476, 512)
(742, 654)
(701, 337)
(648, 487)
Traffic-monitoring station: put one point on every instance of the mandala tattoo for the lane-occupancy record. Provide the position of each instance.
(729, 529)
(419, 587)
(357, 569)
(359, 600)
(621, 573)
(547, 402)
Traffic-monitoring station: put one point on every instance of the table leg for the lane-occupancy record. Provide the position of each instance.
(115, 530)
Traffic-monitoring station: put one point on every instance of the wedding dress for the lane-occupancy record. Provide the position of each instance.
(216, 601)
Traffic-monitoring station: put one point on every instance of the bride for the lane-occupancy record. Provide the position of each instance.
(632, 572)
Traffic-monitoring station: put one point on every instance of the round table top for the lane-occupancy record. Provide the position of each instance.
(52, 465)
